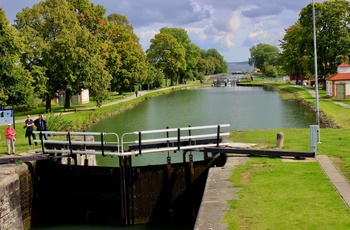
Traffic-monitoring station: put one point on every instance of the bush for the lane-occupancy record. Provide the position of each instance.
(32, 103)
(58, 123)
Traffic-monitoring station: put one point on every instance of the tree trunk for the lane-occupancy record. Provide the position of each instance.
(68, 103)
(47, 103)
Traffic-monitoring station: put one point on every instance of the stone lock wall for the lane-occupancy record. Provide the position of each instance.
(15, 196)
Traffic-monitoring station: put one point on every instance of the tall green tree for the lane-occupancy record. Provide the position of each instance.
(167, 54)
(192, 51)
(154, 77)
(60, 50)
(294, 57)
(202, 66)
(133, 68)
(220, 64)
(264, 56)
(89, 16)
(92, 18)
(15, 82)
(332, 33)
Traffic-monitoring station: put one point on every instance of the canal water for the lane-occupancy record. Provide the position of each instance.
(244, 108)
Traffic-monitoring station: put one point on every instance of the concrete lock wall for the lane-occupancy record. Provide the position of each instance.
(15, 197)
(85, 189)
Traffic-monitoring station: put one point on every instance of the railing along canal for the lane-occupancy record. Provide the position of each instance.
(174, 140)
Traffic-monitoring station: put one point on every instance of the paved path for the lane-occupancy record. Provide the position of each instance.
(216, 193)
(313, 94)
(338, 180)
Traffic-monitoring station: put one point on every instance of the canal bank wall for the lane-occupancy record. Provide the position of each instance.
(37, 192)
(16, 193)
(15, 196)
(218, 190)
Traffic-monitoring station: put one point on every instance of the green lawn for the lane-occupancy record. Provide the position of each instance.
(285, 195)
(292, 195)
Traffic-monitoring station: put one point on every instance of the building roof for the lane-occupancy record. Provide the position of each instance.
(344, 65)
(339, 77)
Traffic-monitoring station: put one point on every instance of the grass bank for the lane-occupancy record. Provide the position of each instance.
(293, 195)
(277, 195)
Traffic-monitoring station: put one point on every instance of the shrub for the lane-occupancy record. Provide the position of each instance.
(58, 123)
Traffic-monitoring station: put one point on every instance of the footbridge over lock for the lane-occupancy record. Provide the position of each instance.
(132, 194)
(206, 139)
(134, 143)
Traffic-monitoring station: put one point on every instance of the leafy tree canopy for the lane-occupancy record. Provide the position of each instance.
(332, 38)
(166, 53)
(15, 82)
(68, 53)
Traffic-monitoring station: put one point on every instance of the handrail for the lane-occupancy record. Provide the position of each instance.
(194, 137)
(141, 139)
(71, 142)
(178, 138)
(132, 153)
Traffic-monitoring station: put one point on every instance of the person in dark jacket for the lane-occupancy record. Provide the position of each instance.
(29, 125)
(40, 124)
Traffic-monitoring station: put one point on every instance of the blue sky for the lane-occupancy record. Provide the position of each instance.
(230, 26)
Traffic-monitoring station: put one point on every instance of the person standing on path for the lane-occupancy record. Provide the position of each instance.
(29, 125)
(10, 134)
(40, 124)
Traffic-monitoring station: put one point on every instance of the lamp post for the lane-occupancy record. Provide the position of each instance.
(316, 75)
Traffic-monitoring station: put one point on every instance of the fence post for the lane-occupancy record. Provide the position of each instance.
(218, 137)
(313, 138)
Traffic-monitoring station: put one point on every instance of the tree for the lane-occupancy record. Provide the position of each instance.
(220, 64)
(58, 48)
(192, 51)
(332, 34)
(154, 76)
(294, 56)
(15, 82)
(133, 68)
(263, 53)
(90, 17)
(166, 53)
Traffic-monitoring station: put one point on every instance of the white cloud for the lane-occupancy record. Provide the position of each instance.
(259, 33)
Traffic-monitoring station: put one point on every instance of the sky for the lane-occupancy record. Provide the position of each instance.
(231, 27)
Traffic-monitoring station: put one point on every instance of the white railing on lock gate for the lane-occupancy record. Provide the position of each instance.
(142, 138)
